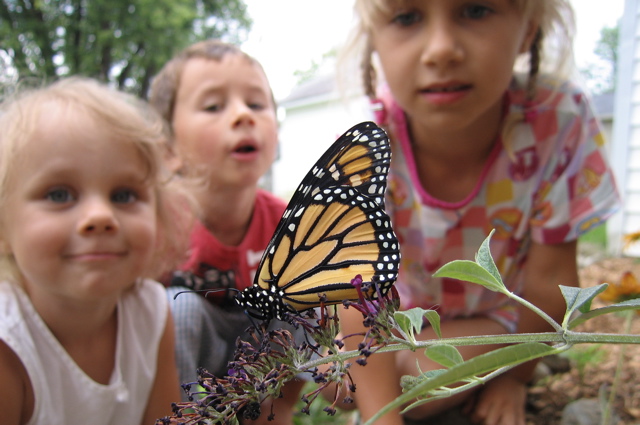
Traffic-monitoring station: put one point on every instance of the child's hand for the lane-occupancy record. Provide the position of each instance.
(500, 402)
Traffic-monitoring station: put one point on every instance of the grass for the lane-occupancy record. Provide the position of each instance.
(596, 236)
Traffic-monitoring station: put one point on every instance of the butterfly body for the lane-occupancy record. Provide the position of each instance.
(334, 228)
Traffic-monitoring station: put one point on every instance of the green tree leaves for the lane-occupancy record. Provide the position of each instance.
(123, 42)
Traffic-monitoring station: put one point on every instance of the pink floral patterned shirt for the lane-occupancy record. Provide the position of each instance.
(556, 185)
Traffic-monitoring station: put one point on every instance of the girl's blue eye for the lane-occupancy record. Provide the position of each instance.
(406, 19)
(124, 196)
(59, 195)
(212, 108)
(476, 12)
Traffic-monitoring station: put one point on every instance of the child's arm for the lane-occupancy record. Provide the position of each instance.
(16, 394)
(548, 266)
(377, 383)
(166, 386)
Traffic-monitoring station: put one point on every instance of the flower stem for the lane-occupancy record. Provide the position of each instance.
(608, 408)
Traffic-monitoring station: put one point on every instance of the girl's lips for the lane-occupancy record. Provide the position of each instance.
(444, 94)
(96, 256)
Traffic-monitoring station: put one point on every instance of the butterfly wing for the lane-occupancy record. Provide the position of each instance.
(359, 158)
(334, 228)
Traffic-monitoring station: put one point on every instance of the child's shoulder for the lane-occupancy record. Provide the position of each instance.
(143, 311)
(551, 92)
(146, 293)
(11, 300)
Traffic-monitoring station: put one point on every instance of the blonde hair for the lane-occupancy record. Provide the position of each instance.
(127, 119)
(164, 87)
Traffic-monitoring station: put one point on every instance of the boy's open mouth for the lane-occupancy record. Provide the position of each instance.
(245, 149)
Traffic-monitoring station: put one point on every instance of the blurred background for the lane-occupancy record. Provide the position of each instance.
(125, 42)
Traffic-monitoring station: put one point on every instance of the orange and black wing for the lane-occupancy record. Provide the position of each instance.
(334, 228)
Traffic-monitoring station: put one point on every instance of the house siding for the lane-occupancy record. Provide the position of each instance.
(625, 152)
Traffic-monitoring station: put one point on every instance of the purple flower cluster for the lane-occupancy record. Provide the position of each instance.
(261, 367)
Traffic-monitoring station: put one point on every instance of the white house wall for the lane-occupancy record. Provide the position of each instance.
(307, 131)
(625, 154)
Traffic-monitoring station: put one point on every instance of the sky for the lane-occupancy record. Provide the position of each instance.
(288, 35)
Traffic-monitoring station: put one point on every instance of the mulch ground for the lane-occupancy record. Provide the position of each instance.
(593, 367)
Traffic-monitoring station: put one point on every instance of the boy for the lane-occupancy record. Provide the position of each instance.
(222, 115)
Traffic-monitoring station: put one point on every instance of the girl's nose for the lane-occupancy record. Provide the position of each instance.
(97, 217)
(442, 47)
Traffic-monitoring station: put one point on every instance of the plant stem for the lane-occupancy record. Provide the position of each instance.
(568, 337)
(608, 408)
(535, 309)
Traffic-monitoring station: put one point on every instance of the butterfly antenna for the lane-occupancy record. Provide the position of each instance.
(206, 291)
(190, 291)
(213, 291)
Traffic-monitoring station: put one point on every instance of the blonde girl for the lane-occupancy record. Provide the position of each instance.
(88, 215)
(478, 146)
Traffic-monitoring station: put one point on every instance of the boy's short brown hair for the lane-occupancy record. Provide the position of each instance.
(164, 86)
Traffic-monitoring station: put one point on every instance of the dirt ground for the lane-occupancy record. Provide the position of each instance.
(593, 367)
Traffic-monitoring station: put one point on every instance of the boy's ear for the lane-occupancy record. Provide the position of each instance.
(532, 30)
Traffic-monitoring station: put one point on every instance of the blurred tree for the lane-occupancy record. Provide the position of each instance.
(607, 48)
(124, 42)
(602, 76)
(327, 63)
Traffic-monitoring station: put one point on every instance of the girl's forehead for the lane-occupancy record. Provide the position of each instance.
(375, 8)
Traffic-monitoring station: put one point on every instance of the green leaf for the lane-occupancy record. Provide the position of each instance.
(409, 321)
(409, 381)
(505, 356)
(485, 260)
(470, 271)
(434, 320)
(579, 298)
(445, 355)
(621, 306)
(468, 370)
(483, 271)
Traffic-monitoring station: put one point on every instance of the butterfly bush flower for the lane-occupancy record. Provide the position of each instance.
(261, 367)
(377, 312)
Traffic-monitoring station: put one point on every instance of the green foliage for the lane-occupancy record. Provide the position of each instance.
(315, 67)
(124, 42)
(603, 79)
(596, 236)
(607, 47)
(390, 331)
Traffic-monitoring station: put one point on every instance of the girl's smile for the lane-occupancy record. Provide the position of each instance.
(84, 214)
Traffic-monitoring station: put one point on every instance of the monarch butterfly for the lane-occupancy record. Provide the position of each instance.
(333, 229)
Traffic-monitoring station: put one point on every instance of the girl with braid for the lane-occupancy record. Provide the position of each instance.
(478, 145)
